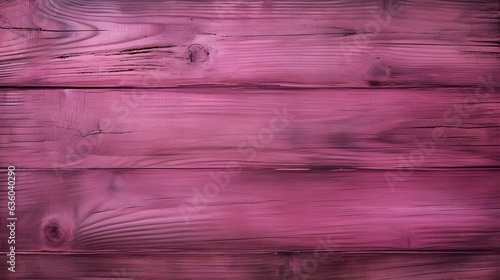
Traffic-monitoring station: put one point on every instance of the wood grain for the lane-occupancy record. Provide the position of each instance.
(210, 128)
(336, 43)
(274, 139)
(153, 210)
(337, 266)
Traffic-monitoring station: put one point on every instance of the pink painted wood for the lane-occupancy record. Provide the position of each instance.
(270, 139)
(262, 266)
(210, 128)
(335, 43)
(150, 210)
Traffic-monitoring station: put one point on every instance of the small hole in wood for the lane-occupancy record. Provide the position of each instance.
(378, 74)
(197, 53)
(53, 233)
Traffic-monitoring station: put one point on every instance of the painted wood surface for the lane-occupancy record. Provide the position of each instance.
(336, 266)
(337, 43)
(150, 210)
(253, 128)
(295, 139)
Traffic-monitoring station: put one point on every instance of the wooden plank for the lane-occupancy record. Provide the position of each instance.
(336, 266)
(253, 128)
(151, 210)
(335, 43)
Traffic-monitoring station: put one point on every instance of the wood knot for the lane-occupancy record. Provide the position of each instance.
(378, 73)
(54, 234)
(197, 53)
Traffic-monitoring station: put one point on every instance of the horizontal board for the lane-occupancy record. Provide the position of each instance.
(253, 128)
(336, 43)
(253, 211)
(429, 266)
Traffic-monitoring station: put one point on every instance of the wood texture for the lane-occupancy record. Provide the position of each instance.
(274, 139)
(301, 43)
(336, 266)
(257, 211)
(210, 128)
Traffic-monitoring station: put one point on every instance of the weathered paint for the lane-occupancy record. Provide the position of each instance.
(251, 139)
